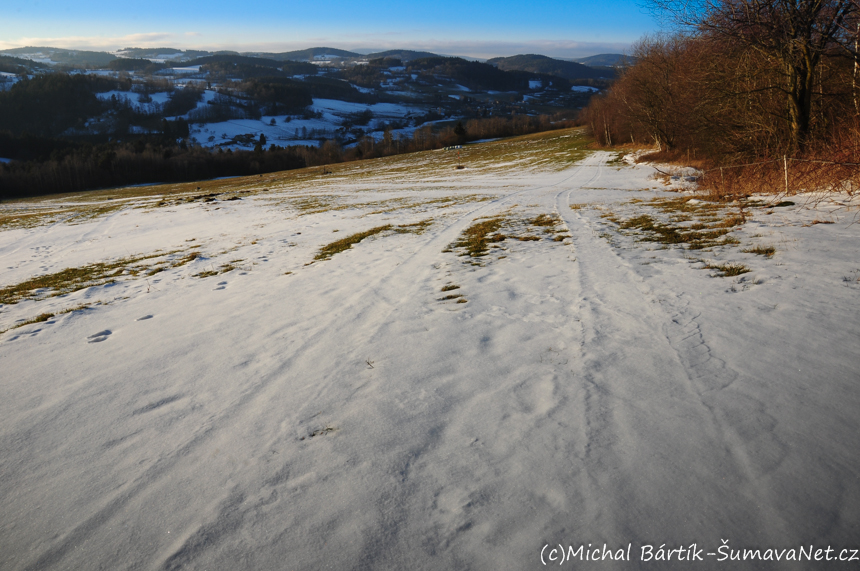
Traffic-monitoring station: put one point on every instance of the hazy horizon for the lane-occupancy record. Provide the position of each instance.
(553, 28)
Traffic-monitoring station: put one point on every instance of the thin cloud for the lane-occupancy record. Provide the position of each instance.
(148, 39)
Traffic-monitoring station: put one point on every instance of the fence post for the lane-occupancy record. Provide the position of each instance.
(785, 169)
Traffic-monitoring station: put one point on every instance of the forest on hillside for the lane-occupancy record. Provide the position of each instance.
(69, 167)
(760, 94)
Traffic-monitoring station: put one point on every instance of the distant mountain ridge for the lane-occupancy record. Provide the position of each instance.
(150, 53)
(606, 60)
(64, 56)
(534, 63)
(402, 55)
(310, 53)
(599, 66)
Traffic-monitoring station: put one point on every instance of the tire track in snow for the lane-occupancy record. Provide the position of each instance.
(373, 306)
(627, 385)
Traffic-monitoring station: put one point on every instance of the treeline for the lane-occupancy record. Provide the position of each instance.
(222, 67)
(427, 138)
(100, 166)
(135, 64)
(51, 103)
(472, 74)
(17, 65)
(55, 104)
(744, 81)
(72, 168)
(549, 66)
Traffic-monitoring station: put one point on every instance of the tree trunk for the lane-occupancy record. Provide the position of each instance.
(800, 88)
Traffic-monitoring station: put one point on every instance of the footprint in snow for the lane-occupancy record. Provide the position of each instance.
(99, 337)
(221, 285)
(144, 318)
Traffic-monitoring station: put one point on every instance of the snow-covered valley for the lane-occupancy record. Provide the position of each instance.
(228, 381)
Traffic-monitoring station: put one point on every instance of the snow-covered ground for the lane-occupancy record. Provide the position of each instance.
(299, 131)
(286, 412)
(334, 110)
(132, 96)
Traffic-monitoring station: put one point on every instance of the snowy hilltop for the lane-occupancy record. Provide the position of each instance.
(399, 363)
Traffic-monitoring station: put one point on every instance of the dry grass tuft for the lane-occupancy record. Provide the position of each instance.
(761, 250)
(477, 238)
(697, 224)
(42, 317)
(545, 220)
(728, 270)
(222, 269)
(451, 296)
(99, 273)
(66, 281)
(326, 252)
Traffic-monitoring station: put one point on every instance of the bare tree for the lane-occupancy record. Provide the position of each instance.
(793, 35)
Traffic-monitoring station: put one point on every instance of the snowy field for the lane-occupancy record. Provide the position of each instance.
(223, 385)
(295, 131)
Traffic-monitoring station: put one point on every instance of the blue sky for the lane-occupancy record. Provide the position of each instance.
(571, 28)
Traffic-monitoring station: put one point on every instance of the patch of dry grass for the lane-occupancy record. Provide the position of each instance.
(767, 251)
(450, 297)
(329, 250)
(99, 273)
(42, 317)
(485, 233)
(476, 239)
(728, 270)
(693, 223)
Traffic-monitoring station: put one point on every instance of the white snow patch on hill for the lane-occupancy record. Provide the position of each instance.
(344, 414)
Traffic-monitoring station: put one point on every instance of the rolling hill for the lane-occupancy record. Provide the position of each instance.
(605, 60)
(310, 53)
(542, 64)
